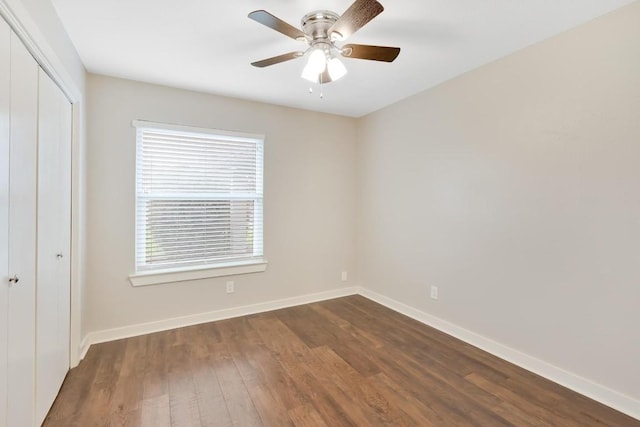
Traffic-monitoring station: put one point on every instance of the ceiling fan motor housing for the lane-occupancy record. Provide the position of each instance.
(316, 25)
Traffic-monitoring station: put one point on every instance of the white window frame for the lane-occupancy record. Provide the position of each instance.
(217, 269)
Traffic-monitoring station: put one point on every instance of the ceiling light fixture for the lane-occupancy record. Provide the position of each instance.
(321, 60)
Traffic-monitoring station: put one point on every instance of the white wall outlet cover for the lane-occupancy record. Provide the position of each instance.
(434, 292)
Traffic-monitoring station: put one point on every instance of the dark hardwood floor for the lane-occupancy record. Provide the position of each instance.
(347, 361)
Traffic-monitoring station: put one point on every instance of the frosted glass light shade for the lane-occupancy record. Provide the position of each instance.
(317, 61)
(308, 73)
(336, 69)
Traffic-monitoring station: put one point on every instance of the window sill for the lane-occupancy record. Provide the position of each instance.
(169, 276)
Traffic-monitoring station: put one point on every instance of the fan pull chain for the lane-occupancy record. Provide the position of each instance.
(321, 91)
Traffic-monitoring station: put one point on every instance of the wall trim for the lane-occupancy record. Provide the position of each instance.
(84, 347)
(567, 379)
(211, 316)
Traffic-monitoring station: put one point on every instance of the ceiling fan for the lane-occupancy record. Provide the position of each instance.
(320, 31)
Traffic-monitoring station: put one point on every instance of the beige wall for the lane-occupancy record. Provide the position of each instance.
(309, 202)
(516, 190)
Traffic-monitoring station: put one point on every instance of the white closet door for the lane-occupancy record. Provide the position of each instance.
(54, 230)
(22, 236)
(5, 55)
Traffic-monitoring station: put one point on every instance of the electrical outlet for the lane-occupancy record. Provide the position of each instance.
(434, 292)
(230, 287)
(344, 276)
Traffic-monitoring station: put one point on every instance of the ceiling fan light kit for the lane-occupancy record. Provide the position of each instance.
(320, 31)
(322, 61)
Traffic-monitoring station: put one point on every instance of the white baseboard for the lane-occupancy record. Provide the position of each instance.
(211, 316)
(572, 381)
(84, 347)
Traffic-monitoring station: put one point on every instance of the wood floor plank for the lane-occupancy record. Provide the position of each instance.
(156, 412)
(450, 403)
(344, 393)
(351, 381)
(418, 412)
(516, 416)
(409, 363)
(526, 406)
(213, 411)
(415, 337)
(295, 356)
(315, 331)
(75, 390)
(341, 362)
(209, 396)
(183, 402)
(428, 337)
(155, 382)
(324, 403)
(185, 412)
(128, 390)
(276, 377)
(306, 416)
(96, 410)
(270, 407)
(236, 396)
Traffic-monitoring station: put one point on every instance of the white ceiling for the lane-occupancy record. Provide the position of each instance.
(208, 45)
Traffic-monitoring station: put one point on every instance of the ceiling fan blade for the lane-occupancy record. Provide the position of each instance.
(356, 17)
(375, 53)
(277, 59)
(265, 18)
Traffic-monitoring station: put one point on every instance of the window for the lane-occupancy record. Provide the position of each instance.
(199, 199)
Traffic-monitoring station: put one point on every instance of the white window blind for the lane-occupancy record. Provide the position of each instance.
(199, 197)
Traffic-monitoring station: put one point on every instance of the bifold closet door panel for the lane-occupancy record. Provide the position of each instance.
(54, 229)
(5, 72)
(22, 236)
